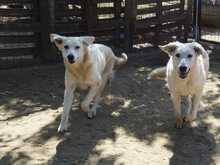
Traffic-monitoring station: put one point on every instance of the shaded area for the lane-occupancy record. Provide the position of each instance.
(26, 91)
(134, 124)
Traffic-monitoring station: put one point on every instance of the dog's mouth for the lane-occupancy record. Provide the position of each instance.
(71, 61)
(183, 75)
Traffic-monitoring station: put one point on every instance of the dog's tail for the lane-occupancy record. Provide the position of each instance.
(121, 60)
(158, 73)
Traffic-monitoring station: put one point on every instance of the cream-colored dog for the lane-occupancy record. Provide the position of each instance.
(87, 65)
(186, 74)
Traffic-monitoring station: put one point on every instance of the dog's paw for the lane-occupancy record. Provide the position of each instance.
(62, 128)
(179, 122)
(91, 114)
(189, 119)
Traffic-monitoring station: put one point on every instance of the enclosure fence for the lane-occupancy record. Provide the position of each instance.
(209, 20)
(25, 25)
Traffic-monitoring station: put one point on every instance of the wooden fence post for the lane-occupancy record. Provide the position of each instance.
(159, 15)
(180, 30)
(117, 12)
(187, 26)
(130, 19)
(91, 15)
(46, 8)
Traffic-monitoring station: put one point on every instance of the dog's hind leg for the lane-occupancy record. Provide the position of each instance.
(68, 100)
(176, 99)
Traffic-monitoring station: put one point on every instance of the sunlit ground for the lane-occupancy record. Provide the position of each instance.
(134, 124)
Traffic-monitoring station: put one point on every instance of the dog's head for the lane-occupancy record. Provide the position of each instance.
(72, 48)
(184, 55)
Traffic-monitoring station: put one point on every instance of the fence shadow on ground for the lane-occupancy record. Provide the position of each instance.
(139, 116)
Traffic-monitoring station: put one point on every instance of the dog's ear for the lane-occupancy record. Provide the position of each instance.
(87, 40)
(169, 48)
(199, 50)
(57, 39)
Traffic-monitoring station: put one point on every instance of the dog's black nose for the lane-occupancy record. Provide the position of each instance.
(70, 58)
(183, 69)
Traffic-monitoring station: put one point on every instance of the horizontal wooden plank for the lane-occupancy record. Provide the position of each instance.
(105, 10)
(68, 2)
(171, 7)
(16, 12)
(147, 10)
(20, 27)
(145, 24)
(105, 1)
(156, 9)
(172, 13)
(110, 24)
(17, 20)
(66, 7)
(69, 20)
(69, 13)
(139, 2)
(156, 27)
(171, 1)
(102, 33)
(17, 52)
(18, 62)
(169, 4)
(68, 27)
(17, 1)
(149, 37)
(169, 33)
(145, 1)
(75, 33)
(18, 39)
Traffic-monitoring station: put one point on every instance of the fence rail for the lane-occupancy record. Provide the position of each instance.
(25, 24)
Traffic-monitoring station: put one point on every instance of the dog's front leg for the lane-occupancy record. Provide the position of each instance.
(86, 102)
(95, 81)
(176, 99)
(99, 93)
(195, 106)
(68, 100)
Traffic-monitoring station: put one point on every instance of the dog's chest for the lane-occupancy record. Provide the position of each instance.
(82, 75)
(186, 88)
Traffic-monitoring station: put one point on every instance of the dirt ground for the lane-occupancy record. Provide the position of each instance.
(133, 126)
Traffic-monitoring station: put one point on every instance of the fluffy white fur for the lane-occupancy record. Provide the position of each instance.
(90, 66)
(196, 60)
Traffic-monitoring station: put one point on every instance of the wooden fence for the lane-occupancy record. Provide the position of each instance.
(25, 25)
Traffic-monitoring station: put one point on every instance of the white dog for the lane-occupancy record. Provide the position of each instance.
(87, 65)
(186, 74)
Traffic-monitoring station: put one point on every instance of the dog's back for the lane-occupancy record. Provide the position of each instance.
(104, 54)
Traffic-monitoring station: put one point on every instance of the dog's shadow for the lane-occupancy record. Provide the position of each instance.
(145, 112)
(192, 146)
(139, 110)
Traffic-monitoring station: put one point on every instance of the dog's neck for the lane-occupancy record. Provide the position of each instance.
(85, 55)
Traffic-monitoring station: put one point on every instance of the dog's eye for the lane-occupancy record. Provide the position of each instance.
(189, 56)
(177, 55)
(77, 47)
(66, 47)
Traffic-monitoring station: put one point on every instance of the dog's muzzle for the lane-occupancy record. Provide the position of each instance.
(183, 72)
(70, 58)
